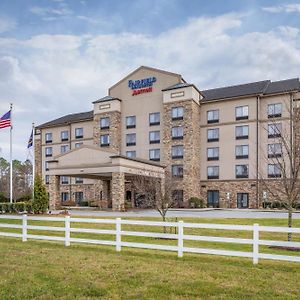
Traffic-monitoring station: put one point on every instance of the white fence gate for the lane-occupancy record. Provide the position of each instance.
(180, 236)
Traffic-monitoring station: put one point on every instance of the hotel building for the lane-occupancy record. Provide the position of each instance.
(214, 144)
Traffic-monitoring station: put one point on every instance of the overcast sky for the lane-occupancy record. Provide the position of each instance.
(57, 56)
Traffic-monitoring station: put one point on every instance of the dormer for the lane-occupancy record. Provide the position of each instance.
(180, 92)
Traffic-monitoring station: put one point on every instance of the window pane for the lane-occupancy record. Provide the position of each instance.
(213, 133)
(130, 121)
(131, 154)
(104, 122)
(177, 112)
(154, 118)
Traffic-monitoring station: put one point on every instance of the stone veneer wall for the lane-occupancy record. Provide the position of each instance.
(190, 182)
(233, 187)
(114, 130)
(38, 154)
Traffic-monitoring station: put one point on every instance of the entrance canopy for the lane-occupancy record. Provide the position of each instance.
(95, 163)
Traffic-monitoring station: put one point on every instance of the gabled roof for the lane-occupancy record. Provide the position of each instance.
(253, 88)
(150, 69)
(177, 86)
(69, 119)
(106, 98)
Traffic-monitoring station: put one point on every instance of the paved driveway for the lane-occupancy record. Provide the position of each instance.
(195, 213)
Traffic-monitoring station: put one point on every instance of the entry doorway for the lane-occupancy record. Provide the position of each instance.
(242, 200)
(213, 199)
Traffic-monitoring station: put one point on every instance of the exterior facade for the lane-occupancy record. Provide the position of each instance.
(213, 144)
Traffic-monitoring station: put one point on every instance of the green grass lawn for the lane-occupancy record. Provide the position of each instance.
(49, 270)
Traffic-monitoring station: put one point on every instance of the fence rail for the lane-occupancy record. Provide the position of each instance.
(179, 236)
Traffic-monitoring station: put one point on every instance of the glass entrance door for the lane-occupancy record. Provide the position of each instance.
(242, 200)
(213, 199)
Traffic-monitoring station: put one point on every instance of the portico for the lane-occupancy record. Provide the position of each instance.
(95, 163)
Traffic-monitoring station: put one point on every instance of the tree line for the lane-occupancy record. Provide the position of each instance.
(21, 178)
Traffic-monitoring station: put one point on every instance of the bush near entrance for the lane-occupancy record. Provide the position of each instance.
(195, 202)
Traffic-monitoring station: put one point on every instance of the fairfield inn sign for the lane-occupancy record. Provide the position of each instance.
(141, 86)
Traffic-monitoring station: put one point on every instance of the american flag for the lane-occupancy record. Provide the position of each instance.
(5, 120)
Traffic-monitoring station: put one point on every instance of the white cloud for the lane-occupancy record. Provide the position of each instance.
(51, 75)
(288, 8)
(44, 11)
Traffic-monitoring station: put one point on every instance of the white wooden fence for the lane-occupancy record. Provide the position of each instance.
(179, 236)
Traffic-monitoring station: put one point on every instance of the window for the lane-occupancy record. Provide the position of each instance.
(274, 170)
(130, 122)
(154, 119)
(47, 179)
(64, 148)
(213, 198)
(242, 132)
(242, 200)
(104, 123)
(213, 172)
(48, 151)
(213, 153)
(241, 171)
(64, 135)
(274, 130)
(77, 145)
(213, 135)
(177, 113)
(78, 197)
(48, 137)
(241, 113)
(177, 151)
(78, 180)
(241, 151)
(64, 196)
(46, 166)
(104, 140)
(274, 110)
(177, 133)
(130, 139)
(78, 133)
(177, 197)
(154, 137)
(177, 171)
(213, 116)
(131, 154)
(154, 154)
(274, 150)
(64, 180)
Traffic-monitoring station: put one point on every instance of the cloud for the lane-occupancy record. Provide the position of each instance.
(60, 11)
(7, 24)
(287, 8)
(48, 76)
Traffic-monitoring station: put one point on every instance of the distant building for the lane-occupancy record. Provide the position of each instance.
(214, 143)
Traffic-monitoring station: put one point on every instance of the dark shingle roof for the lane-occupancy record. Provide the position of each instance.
(287, 85)
(265, 87)
(106, 98)
(68, 119)
(252, 88)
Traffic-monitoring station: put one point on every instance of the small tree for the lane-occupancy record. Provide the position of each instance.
(157, 194)
(40, 201)
(284, 156)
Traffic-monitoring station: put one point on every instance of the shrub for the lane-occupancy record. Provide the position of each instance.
(195, 202)
(3, 198)
(40, 201)
(297, 206)
(68, 203)
(276, 204)
(24, 198)
(266, 204)
(83, 203)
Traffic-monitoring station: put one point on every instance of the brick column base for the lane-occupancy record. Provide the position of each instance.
(54, 195)
(118, 191)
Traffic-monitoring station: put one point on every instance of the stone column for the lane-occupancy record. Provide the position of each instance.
(118, 191)
(54, 196)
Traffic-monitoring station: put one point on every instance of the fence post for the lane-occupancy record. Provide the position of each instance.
(24, 228)
(180, 238)
(255, 243)
(118, 234)
(67, 231)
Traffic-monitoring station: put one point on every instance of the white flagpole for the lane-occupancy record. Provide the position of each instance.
(33, 160)
(10, 154)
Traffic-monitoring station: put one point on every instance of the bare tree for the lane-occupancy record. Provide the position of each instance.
(157, 193)
(283, 159)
